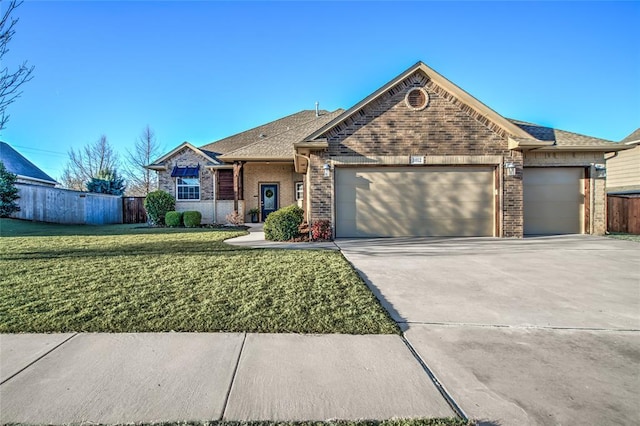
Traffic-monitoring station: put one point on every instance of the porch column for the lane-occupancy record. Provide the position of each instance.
(237, 183)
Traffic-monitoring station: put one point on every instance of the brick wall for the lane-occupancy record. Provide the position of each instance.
(281, 173)
(187, 157)
(388, 127)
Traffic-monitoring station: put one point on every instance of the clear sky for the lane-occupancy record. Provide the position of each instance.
(200, 71)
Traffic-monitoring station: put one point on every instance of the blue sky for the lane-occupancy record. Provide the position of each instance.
(200, 71)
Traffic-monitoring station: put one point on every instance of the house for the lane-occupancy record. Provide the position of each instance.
(418, 157)
(623, 169)
(26, 171)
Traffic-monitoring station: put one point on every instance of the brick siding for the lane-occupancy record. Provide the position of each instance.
(446, 127)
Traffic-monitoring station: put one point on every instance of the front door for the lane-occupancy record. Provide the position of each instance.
(268, 199)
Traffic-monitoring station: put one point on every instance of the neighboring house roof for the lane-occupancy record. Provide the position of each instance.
(274, 141)
(17, 164)
(633, 138)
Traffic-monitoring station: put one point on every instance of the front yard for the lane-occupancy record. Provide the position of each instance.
(127, 278)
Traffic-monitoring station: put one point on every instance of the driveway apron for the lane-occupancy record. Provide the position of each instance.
(536, 331)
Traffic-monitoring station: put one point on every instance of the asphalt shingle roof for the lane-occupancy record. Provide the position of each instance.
(273, 140)
(19, 165)
(561, 138)
(633, 137)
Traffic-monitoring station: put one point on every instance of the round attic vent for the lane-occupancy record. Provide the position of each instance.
(417, 99)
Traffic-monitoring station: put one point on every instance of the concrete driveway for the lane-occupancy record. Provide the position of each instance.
(535, 331)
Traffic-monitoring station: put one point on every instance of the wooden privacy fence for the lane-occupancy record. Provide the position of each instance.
(133, 210)
(623, 213)
(55, 205)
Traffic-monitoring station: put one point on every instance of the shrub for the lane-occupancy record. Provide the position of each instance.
(157, 204)
(321, 230)
(173, 218)
(282, 225)
(234, 218)
(192, 219)
(8, 192)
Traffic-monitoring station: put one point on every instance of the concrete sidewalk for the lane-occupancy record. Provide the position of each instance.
(163, 377)
(255, 239)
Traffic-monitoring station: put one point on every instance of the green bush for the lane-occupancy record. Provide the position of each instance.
(192, 219)
(282, 225)
(157, 204)
(173, 219)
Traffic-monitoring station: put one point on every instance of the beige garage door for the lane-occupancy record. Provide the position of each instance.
(553, 200)
(414, 201)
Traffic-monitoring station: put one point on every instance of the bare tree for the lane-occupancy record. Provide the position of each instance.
(141, 181)
(10, 81)
(87, 163)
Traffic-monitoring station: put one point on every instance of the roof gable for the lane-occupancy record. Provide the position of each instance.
(159, 163)
(483, 112)
(17, 164)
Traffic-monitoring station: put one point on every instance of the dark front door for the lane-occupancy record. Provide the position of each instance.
(268, 199)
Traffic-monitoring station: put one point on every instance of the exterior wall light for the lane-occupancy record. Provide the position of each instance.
(601, 171)
(510, 168)
(327, 169)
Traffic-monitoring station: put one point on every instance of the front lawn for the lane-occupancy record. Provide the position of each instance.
(127, 278)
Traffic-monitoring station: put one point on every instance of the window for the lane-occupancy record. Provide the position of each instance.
(188, 188)
(299, 191)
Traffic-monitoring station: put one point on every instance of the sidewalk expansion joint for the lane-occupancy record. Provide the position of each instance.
(445, 394)
(522, 327)
(39, 358)
(233, 378)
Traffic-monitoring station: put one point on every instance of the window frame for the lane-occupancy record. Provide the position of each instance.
(182, 185)
(299, 188)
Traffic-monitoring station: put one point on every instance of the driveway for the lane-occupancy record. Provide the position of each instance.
(535, 331)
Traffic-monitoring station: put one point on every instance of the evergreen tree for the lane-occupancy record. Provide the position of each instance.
(8, 192)
(106, 182)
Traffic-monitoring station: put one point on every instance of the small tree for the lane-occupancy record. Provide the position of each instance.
(157, 204)
(106, 182)
(141, 181)
(87, 163)
(8, 192)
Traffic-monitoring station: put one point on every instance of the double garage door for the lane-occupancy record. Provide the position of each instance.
(415, 201)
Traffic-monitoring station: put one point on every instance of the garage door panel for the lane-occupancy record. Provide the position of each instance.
(442, 201)
(553, 200)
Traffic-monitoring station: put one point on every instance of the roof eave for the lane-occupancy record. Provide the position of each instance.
(586, 148)
(528, 143)
(257, 158)
(317, 144)
(50, 182)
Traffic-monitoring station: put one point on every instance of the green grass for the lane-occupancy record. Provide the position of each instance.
(628, 237)
(124, 278)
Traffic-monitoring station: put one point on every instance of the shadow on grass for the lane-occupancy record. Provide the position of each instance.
(24, 228)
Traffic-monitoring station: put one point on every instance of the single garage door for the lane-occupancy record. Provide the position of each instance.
(414, 201)
(553, 200)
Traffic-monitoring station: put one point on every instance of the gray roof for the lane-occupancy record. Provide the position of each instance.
(273, 140)
(633, 137)
(19, 165)
(561, 138)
